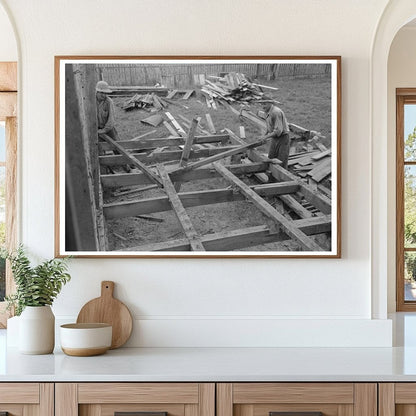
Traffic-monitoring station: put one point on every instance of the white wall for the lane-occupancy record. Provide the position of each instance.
(8, 47)
(401, 74)
(200, 300)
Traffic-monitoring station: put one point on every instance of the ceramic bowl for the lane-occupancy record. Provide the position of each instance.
(83, 340)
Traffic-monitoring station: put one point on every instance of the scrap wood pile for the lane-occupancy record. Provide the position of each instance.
(314, 164)
(231, 88)
(149, 102)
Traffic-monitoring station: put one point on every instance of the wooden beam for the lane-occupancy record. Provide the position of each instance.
(162, 142)
(177, 126)
(305, 242)
(131, 179)
(192, 199)
(8, 105)
(140, 137)
(171, 130)
(178, 208)
(189, 142)
(243, 238)
(295, 206)
(211, 159)
(158, 157)
(131, 159)
(211, 126)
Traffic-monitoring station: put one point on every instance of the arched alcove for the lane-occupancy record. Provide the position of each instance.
(396, 15)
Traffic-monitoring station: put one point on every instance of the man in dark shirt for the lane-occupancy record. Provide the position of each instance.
(105, 111)
(278, 131)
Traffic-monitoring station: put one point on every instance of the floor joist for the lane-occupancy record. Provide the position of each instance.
(131, 179)
(159, 157)
(243, 238)
(287, 226)
(162, 142)
(193, 199)
(186, 223)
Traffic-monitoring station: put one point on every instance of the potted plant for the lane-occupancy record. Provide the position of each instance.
(36, 289)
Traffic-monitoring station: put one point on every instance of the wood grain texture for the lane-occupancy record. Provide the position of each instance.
(405, 410)
(365, 399)
(207, 399)
(91, 410)
(386, 399)
(251, 393)
(107, 309)
(345, 410)
(138, 393)
(110, 409)
(8, 76)
(224, 399)
(27, 393)
(66, 399)
(190, 410)
(47, 399)
(326, 409)
(8, 105)
(405, 393)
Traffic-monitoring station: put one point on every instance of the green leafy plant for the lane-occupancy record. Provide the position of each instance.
(35, 285)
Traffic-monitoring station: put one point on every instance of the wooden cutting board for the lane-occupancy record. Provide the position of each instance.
(107, 309)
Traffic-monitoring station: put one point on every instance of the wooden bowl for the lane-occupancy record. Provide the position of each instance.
(84, 340)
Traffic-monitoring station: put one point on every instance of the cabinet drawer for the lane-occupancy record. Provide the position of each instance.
(147, 399)
(306, 399)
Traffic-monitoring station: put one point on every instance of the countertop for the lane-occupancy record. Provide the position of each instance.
(222, 364)
(215, 364)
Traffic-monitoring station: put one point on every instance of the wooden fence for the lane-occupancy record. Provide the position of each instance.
(182, 75)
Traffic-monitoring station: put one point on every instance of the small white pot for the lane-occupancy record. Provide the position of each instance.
(37, 330)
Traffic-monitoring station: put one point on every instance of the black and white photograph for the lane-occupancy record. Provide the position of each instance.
(198, 156)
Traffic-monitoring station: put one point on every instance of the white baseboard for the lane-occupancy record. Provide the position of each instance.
(255, 332)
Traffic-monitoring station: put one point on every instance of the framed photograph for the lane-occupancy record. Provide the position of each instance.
(198, 156)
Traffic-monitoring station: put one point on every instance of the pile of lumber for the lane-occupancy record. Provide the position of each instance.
(230, 88)
(149, 102)
(315, 164)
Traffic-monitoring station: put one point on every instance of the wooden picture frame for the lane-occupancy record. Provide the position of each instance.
(207, 125)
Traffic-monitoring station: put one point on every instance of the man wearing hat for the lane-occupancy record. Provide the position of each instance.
(278, 131)
(105, 111)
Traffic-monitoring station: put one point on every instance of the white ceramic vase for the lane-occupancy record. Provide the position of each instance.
(37, 330)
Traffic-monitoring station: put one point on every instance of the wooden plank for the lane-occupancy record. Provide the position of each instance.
(189, 142)
(252, 117)
(162, 142)
(8, 76)
(321, 171)
(187, 124)
(137, 393)
(224, 399)
(171, 94)
(305, 242)
(242, 133)
(8, 105)
(386, 399)
(192, 199)
(252, 393)
(295, 206)
(130, 179)
(158, 157)
(187, 95)
(243, 238)
(222, 155)
(131, 159)
(141, 136)
(175, 124)
(321, 155)
(178, 208)
(211, 126)
(66, 399)
(365, 399)
(171, 130)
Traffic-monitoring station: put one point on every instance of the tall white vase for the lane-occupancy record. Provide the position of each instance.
(37, 330)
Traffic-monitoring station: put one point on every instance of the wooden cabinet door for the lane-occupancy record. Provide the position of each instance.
(27, 399)
(297, 399)
(397, 399)
(145, 399)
